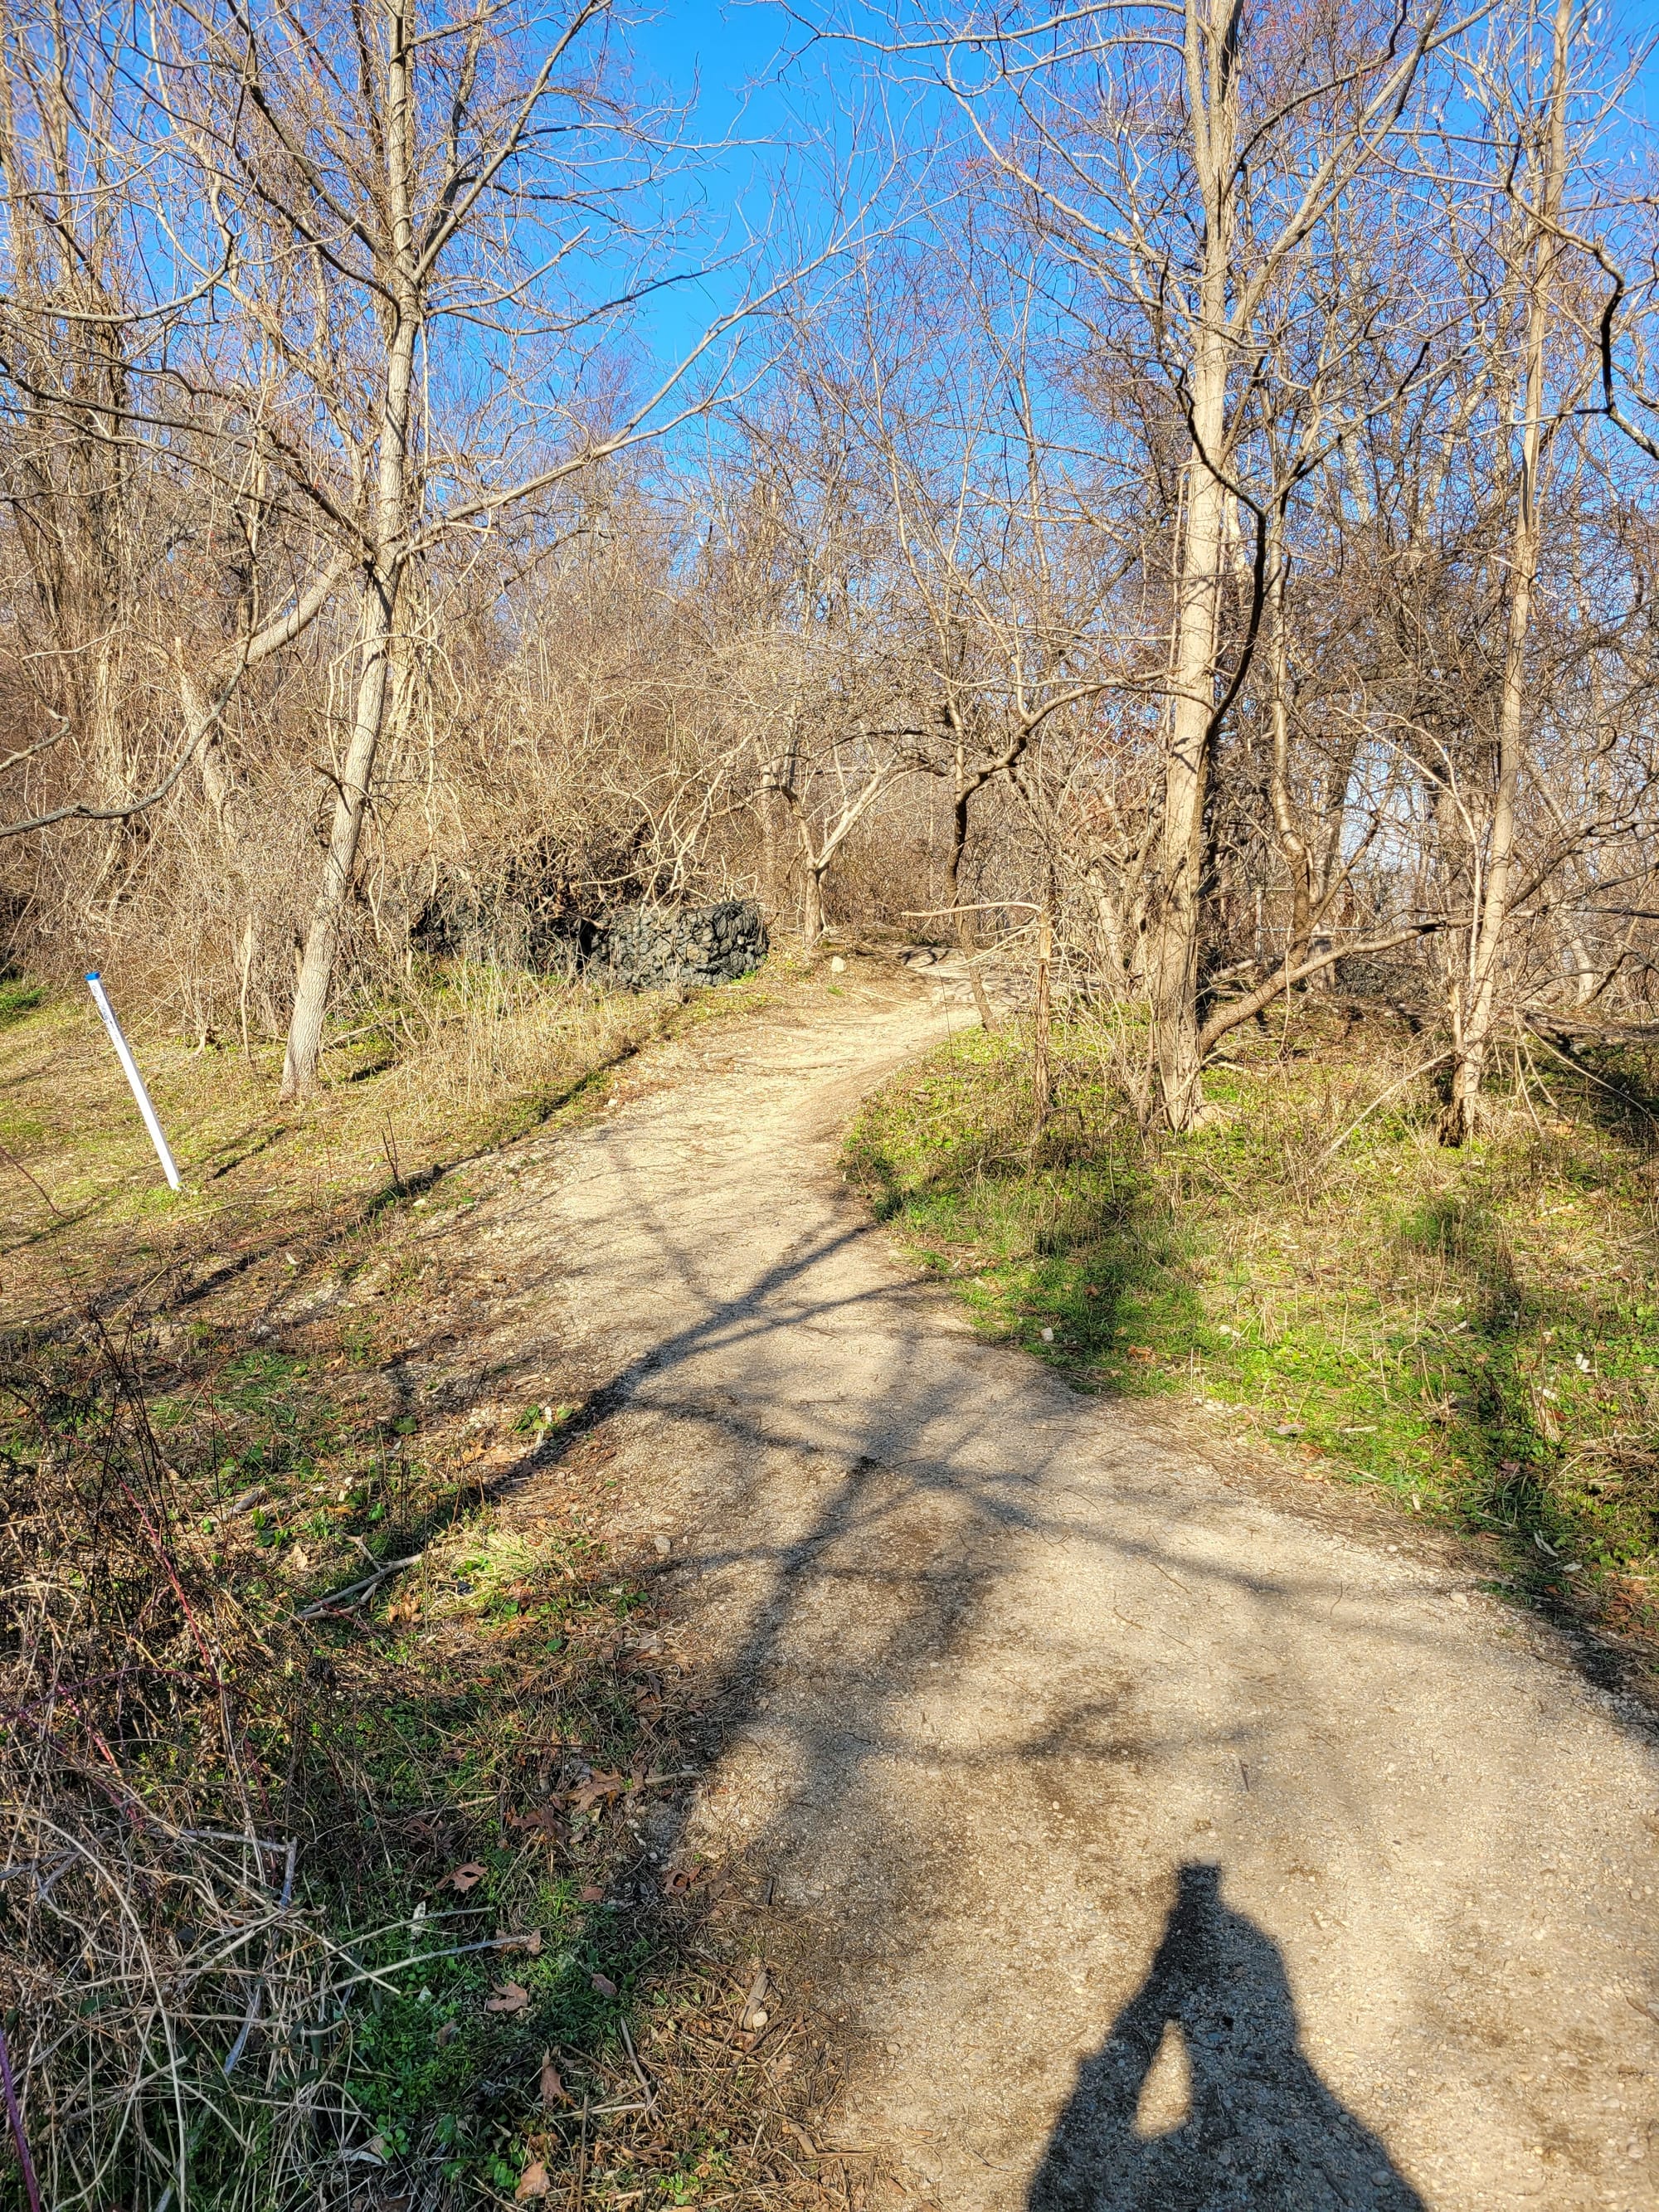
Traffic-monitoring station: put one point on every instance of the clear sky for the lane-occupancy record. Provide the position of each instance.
(1638, 19)
(725, 59)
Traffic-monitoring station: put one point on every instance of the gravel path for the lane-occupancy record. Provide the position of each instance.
(1148, 1843)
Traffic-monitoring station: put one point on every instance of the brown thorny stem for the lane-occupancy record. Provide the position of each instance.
(14, 2117)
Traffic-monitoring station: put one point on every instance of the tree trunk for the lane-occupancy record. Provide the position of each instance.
(1041, 1069)
(811, 921)
(1174, 909)
(1473, 993)
(305, 1034)
(1293, 844)
(1174, 904)
(965, 935)
(384, 579)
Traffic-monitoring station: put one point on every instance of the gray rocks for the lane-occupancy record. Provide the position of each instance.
(529, 910)
(644, 947)
(522, 909)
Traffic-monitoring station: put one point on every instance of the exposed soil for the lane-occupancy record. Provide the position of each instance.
(1144, 1839)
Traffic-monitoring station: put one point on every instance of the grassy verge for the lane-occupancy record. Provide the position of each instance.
(469, 1060)
(340, 1747)
(1477, 1331)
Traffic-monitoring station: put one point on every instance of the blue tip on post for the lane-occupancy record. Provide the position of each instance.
(91, 975)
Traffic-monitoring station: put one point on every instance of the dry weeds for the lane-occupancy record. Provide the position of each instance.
(289, 1642)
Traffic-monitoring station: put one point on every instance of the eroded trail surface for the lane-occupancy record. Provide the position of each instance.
(1148, 1844)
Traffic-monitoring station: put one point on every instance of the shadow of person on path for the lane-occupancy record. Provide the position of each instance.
(1261, 2130)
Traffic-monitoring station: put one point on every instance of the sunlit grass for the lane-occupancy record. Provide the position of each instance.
(1475, 1331)
(469, 1061)
(483, 1704)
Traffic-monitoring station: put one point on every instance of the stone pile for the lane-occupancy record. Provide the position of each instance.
(645, 946)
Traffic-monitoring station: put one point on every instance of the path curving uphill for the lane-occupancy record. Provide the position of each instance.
(1149, 1843)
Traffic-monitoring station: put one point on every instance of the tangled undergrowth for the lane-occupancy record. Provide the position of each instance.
(342, 1753)
(1476, 1331)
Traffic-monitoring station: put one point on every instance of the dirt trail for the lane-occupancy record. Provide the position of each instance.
(1150, 1845)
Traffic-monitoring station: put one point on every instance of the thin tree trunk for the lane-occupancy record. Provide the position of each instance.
(1041, 1069)
(1472, 1004)
(1174, 905)
(382, 584)
(964, 923)
(1292, 844)
(811, 925)
(1174, 909)
(305, 1034)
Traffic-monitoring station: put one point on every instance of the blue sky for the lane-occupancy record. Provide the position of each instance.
(729, 56)
(727, 59)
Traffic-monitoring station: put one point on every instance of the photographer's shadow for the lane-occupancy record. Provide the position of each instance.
(1260, 2130)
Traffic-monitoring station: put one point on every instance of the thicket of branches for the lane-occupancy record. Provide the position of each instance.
(1200, 490)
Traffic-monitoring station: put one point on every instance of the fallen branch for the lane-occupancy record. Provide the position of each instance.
(1574, 1028)
(1410, 1076)
(1562, 1047)
(15, 2119)
(356, 1592)
(1224, 1022)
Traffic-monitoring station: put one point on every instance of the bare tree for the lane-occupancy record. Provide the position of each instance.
(367, 215)
(1197, 231)
(405, 246)
(1540, 177)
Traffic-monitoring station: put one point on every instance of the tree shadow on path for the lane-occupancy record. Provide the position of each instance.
(1262, 2131)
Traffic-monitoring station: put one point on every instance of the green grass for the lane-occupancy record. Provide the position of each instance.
(416, 1092)
(1477, 1331)
(487, 1681)
(19, 998)
(492, 1683)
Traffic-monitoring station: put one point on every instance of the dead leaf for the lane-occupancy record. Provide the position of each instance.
(545, 1817)
(550, 2087)
(507, 1939)
(593, 1894)
(532, 2182)
(509, 1996)
(587, 1794)
(606, 1987)
(462, 1878)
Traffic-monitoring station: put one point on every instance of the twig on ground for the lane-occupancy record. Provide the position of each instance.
(356, 1592)
(15, 2119)
(634, 2061)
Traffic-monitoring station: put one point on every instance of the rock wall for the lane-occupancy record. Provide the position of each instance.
(523, 909)
(646, 946)
(526, 915)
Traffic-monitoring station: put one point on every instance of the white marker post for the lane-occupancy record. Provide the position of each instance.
(123, 1054)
